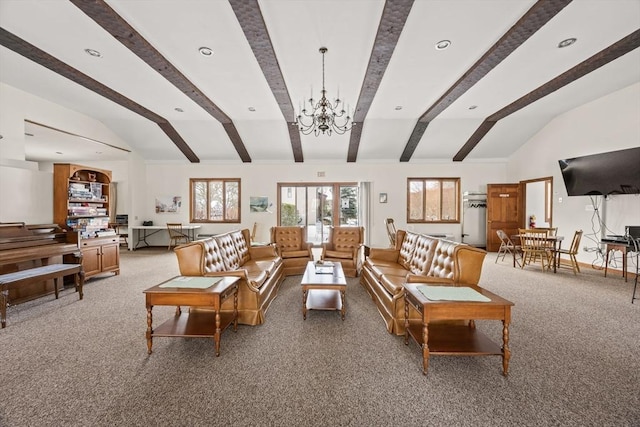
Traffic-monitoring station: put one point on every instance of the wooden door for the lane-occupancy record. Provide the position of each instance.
(503, 212)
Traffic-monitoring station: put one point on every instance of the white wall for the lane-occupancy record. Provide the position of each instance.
(261, 180)
(606, 124)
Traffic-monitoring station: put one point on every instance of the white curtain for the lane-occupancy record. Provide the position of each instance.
(113, 198)
(365, 210)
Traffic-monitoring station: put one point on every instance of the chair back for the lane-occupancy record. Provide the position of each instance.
(253, 231)
(534, 239)
(504, 238)
(551, 231)
(175, 229)
(575, 243)
(391, 231)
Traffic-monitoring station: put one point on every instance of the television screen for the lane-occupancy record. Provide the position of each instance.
(615, 172)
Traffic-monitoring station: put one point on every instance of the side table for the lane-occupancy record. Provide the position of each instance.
(205, 292)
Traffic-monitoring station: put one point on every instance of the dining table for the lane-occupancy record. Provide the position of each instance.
(555, 245)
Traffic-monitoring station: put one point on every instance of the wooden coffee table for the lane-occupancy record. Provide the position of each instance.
(209, 292)
(323, 291)
(452, 339)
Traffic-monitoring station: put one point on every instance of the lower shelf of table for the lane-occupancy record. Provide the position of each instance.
(323, 299)
(193, 324)
(454, 340)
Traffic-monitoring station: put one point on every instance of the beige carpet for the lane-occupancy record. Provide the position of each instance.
(574, 341)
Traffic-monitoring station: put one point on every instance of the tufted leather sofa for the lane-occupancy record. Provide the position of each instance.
(230, 254)
(416, 258)
(344, 246)
(292, 246)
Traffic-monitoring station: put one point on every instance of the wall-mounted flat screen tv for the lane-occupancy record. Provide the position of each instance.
(615, 172)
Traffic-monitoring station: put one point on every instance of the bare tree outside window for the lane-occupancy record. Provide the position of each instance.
(433, 200)
(214, 200)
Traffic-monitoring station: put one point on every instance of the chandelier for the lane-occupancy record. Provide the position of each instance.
(324, 117)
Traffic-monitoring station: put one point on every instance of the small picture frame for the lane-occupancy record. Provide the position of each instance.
(383, 198)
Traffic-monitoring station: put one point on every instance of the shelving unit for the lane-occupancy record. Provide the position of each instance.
(81, 204)
(474, 218)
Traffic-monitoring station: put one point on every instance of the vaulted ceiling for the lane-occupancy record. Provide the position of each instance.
(501, 80)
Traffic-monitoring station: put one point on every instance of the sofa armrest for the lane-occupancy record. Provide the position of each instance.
(419, 278)
(268, 251)
(384, 254)
(242, 274)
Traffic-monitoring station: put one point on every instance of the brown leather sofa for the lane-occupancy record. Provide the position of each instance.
(344, 245)
(292, 246)
(230, 254)
(416, 258)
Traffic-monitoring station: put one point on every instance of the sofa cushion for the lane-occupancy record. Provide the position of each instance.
(407, 248)
(230, 254)
(241, 245)
(443, 259)
(392, 270)
(422, 256)
(295, 254)
(212, 261)
(288, 239)
(338, 254)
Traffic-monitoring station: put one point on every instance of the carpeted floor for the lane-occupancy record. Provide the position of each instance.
(574, 341)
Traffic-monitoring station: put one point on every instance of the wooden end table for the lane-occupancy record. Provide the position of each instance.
(198, 324)
(323, 291)
(455, 340)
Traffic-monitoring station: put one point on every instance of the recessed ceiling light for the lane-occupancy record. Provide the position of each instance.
(567, 42)
(59, 152)
(443, 44)
(252, 108)
(205, 51)
(398, 107)
(28, 134)
(93, 52)
(179, 110)
(473, 107)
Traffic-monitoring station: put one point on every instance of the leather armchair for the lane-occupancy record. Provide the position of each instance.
(344, 246)
(292, 246)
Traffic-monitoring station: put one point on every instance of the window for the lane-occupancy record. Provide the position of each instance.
(318, 206)
(433, 200)
(214, 200)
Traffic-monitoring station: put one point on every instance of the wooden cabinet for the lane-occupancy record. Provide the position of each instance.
(100, 255)
(81, 203)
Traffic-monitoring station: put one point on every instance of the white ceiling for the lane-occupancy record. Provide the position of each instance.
(416, 77)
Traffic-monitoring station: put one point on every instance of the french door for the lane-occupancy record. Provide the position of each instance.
(318, 206)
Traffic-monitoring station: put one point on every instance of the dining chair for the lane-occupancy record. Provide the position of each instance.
(535, 245)
(176, 234)
(391, 231)
(571, 252)
(507, 246)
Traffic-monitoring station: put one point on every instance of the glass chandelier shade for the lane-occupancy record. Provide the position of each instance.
(323, 116)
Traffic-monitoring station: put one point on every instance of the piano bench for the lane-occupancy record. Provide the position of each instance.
(34, 275)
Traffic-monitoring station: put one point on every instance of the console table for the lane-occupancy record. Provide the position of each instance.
(455, 340)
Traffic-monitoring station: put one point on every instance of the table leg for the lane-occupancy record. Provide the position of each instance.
(344, 309)
(3, 306)
(304, 304)
(216, 338)
(425, 348)
(506, 353)
(406, 319)
(606, 261)
(149, 329)
(235, 310)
